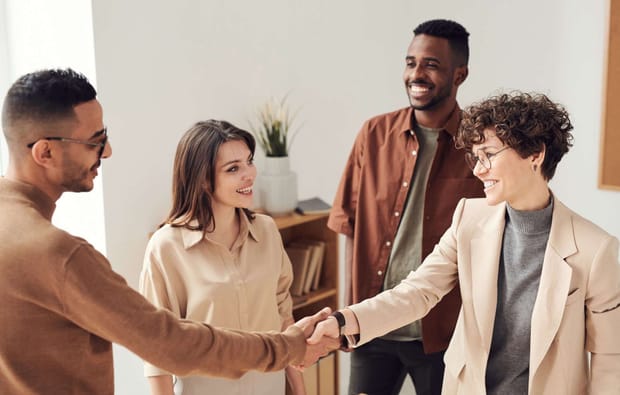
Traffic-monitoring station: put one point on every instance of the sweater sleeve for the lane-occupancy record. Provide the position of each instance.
(100, 301)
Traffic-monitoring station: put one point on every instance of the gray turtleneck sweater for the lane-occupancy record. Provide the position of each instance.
(523, 249)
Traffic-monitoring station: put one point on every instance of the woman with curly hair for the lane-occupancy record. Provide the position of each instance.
(540, 284)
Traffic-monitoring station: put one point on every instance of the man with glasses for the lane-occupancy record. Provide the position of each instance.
(97, 142)
(62, 305)
(102, 134)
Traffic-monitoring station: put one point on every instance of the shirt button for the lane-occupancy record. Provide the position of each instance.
(405, 184)
(388, 243)
(414, 152)
(396, 213)
(379, 272)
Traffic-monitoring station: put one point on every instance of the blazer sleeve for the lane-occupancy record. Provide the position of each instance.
(417, 294)
(603, 319)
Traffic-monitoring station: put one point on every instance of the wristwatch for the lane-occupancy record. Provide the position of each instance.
(341, 321)
(344, 344)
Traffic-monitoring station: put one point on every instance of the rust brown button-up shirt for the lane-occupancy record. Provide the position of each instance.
(372, 196)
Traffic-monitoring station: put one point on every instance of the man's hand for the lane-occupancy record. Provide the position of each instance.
(320, 347)
(327, 328)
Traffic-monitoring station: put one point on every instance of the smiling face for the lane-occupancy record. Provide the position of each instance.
(80, 161)
(234, 176)
(431, 76)
(511, 178)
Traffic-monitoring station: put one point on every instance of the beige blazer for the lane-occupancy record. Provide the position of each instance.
(575, 315)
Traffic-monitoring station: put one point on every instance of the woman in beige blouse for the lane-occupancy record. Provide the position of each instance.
(215, 261)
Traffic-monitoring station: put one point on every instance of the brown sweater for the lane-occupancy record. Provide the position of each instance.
(61, 306)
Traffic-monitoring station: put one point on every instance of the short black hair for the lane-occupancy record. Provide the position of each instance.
(452, 31)
(45, 95)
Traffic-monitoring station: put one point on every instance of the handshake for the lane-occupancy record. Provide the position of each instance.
(322, 333)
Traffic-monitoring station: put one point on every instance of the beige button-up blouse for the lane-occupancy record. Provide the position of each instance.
(246, 287)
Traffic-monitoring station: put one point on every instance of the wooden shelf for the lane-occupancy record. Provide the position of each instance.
(313, 297)
(295, 219)
(314, 226)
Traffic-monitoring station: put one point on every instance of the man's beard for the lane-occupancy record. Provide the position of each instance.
(78, 179)
(441, 96)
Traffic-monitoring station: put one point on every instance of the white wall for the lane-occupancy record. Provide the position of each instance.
(162, 65)
(5, 80)
(36, 34)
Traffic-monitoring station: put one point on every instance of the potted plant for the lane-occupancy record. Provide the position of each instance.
(274, 128)
(277, 184)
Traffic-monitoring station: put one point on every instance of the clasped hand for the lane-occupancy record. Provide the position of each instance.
(322, 336)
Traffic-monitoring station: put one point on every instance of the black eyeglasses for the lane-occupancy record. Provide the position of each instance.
(483, 157)
(100, 144)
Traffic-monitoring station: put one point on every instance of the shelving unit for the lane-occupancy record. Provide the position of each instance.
(314, 226)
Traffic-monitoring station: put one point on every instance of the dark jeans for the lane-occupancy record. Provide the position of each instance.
(380, 366)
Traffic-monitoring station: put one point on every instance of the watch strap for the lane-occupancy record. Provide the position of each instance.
(341, 321)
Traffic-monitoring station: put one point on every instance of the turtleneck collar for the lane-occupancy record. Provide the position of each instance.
(530, 221)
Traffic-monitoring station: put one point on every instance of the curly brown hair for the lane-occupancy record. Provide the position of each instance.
(527, 122)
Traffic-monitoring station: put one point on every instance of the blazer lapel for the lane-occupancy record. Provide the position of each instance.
(485, 254)
(554, 285)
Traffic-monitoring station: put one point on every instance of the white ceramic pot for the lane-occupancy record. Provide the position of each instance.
(277, 186)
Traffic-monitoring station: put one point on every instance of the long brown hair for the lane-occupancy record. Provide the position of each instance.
(193, 177)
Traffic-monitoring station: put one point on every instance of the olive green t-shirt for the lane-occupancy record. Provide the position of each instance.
(406, 254)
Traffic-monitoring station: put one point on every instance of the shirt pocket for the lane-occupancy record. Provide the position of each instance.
(574, 296)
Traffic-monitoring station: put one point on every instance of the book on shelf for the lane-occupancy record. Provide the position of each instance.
(320, 257)
(300, 259)
(311, 379)
(314, 205)
(327, 374)
(307, 259)
(317, 252)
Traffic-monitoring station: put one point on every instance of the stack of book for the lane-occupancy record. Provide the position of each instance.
(307, 259)
(315, 205)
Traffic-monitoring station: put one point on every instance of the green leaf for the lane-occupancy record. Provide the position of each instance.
(275, 120)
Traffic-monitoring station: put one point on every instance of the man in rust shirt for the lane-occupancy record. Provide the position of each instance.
(62, 305)
(396, 197)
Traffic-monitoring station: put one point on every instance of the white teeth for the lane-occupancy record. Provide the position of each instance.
(488, 184)
(245, 190)
(418, 89)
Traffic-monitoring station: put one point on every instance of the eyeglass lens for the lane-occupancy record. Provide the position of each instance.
(482, 157)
